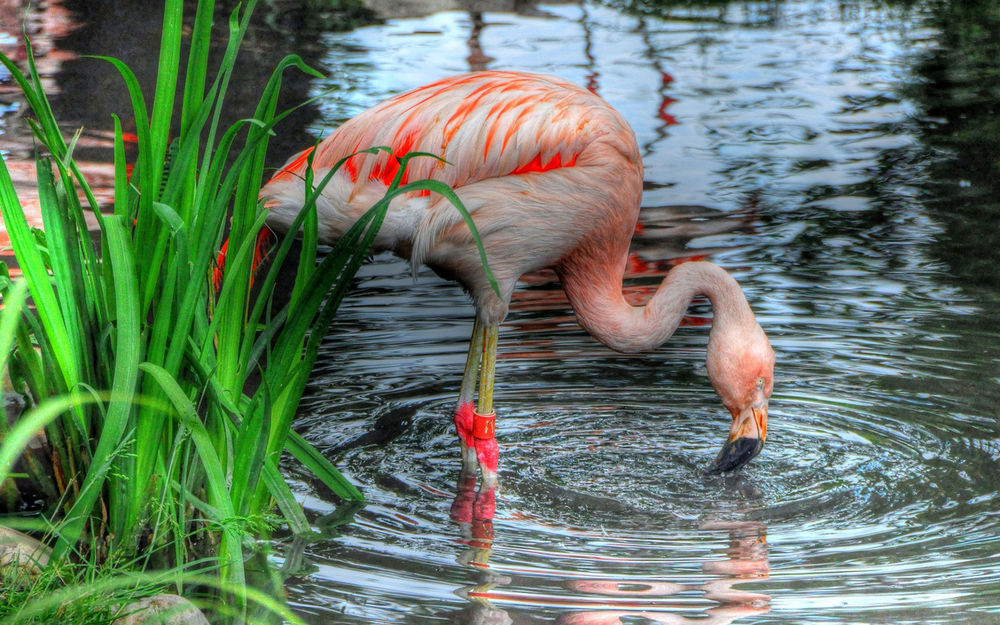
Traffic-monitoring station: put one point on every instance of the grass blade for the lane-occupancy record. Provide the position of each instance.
(322, 468)
(215, 472)
(33, 267)
(126, 373)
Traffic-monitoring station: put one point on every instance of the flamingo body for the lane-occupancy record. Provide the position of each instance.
(552, 177)
(513, 143)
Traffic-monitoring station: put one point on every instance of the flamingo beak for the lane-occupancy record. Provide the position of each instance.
(746, 439)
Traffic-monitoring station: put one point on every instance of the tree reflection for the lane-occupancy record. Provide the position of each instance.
(85, 92)
(958, 94)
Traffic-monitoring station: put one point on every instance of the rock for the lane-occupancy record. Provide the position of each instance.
(165, 609)
(23, 551)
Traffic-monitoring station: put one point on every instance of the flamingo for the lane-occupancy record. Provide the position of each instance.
(552, 177)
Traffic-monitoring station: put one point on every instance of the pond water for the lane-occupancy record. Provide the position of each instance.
(842, 160)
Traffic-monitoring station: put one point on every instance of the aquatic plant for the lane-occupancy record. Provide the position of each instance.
(178, 393)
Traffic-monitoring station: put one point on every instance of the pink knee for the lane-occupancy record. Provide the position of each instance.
(463, 423)
(488, 453)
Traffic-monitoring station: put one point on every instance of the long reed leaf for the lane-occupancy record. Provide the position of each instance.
(214, 470)
(10, 316)
(62, 240)
(140, 112)
(285, 500)
(126, 372)
(197, 66)
(166, 86)
(322, 468)
(33, 267)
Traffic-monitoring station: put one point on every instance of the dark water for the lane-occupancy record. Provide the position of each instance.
(842, 160)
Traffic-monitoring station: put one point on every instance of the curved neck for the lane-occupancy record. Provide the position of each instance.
(602, 310)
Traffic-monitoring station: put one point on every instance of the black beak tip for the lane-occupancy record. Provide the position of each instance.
(735, 454)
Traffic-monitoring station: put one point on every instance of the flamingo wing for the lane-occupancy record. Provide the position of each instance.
(486, 126)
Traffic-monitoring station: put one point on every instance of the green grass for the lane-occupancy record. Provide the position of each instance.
(145, 323)
(98, 594)
(92, 591)
(168, 403)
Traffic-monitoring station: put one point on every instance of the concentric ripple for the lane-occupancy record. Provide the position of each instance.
(605, 504)
(866, 497)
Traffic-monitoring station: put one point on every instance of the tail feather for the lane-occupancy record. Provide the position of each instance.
(265, 240)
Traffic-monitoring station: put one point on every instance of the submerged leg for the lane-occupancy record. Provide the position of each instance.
(466, 407)
(484, 419)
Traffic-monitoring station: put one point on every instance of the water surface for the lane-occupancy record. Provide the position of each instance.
(809, 148)
(841, 160)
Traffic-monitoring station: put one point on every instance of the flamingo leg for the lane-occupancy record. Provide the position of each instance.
(475, 425)
(484, 419)
(489, 361)
(464, 412)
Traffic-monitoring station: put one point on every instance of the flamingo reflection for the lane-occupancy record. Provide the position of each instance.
(715, 616)
(746, 560)
(473, 511)
(606, 601)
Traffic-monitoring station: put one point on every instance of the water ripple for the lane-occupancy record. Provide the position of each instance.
(778, 142)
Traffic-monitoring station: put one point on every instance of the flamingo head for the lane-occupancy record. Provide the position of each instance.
(741, 367)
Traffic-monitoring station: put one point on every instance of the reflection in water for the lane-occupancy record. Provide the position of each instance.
(780, 140)
(603, 601)
(746, 560)
(477, 59)
(713, 616)
(840, 160)
(393, 9)
(958, 99)
(64, 32)
(473, 511)
(47, 25)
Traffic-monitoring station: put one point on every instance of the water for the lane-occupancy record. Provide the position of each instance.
(840, 159)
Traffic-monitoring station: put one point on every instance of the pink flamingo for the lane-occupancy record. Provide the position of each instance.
(552, 177)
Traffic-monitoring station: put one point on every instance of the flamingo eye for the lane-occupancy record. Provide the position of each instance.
(760, 382)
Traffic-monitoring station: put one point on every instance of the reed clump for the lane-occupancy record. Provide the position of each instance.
(167, 399)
